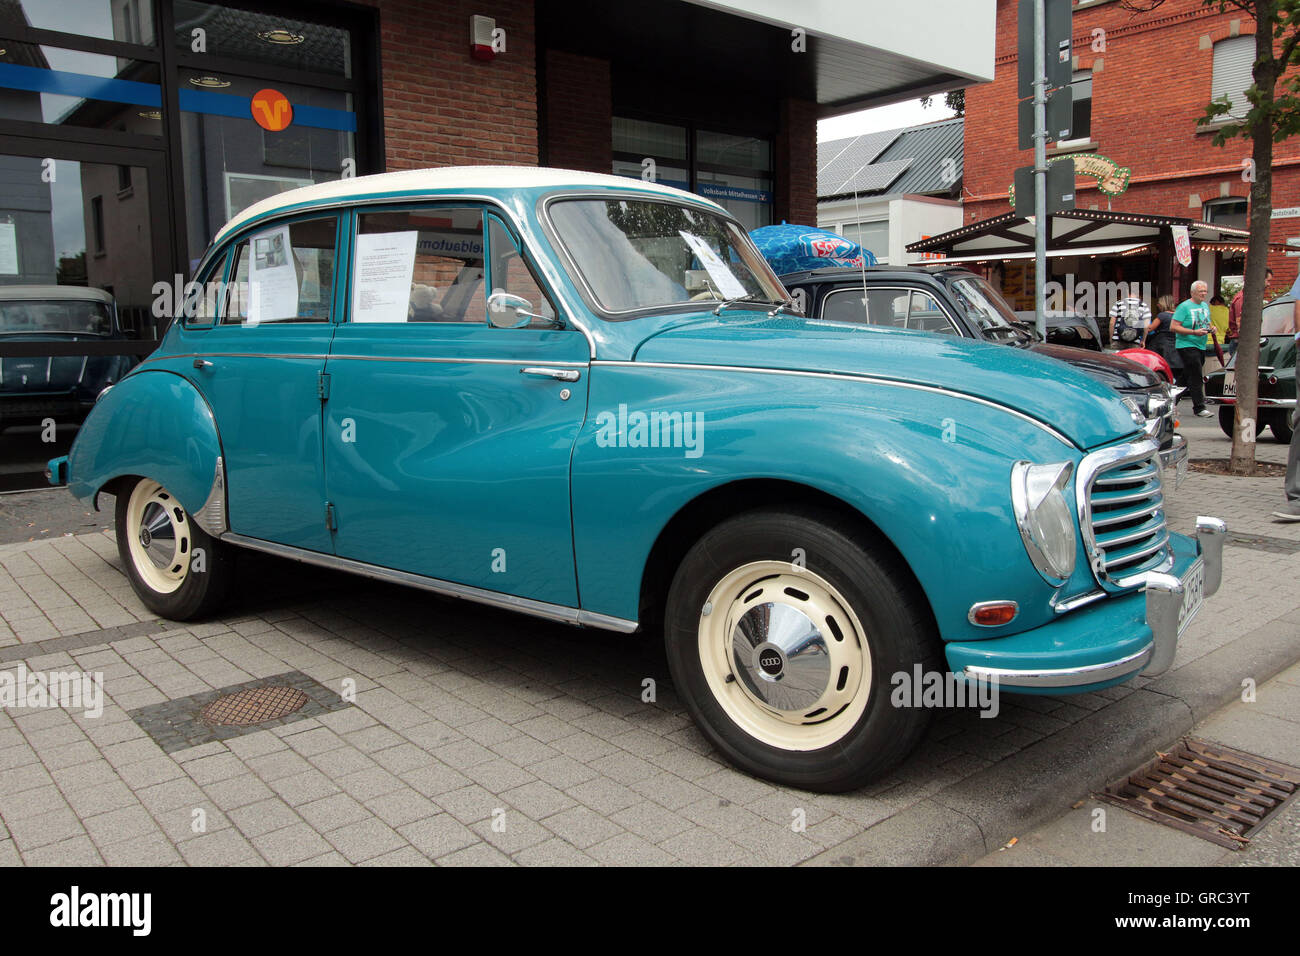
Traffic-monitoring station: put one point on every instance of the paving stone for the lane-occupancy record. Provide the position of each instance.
(304, 787)
(437, 836)
(291, 844)
(235, 792)
(555, 853)
(263, 817)
(628, 849)
(332, 812)
(402, 807)
(75, 852)
(124, 823)
(44, 829)
(222, 848)
(365, 839)
(581, 827)
(480, 854)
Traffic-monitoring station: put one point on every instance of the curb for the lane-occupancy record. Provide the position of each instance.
(971, 818)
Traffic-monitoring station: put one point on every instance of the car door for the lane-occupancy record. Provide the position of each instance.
(447, 440)
(260, 365)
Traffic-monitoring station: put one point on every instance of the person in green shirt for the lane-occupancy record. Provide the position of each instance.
(1191, 328)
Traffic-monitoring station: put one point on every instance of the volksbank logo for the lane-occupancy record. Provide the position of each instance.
(656, 429)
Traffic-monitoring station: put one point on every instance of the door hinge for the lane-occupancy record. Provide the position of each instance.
(330, 523)
(323, 385)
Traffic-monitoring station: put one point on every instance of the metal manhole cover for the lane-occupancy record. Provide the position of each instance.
(1217, 793)
(254, 706)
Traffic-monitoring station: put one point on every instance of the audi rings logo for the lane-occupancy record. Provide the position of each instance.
(770, 661)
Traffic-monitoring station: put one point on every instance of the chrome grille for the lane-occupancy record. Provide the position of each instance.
(1124, 520)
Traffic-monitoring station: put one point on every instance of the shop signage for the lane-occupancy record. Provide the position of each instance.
(1182, 245)
(1293, 241)
(271, 110)
(735, 193)
(1112, 178)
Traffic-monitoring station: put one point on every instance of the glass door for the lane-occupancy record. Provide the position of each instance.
(84, 234)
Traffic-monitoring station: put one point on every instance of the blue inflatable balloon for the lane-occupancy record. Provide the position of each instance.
(797, 248)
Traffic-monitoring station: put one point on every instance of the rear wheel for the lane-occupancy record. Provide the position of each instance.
(177, 570)
(782, 634)
(1280, 425)
(1226, 413)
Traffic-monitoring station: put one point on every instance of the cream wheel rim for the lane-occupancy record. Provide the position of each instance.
(158, 537)
(785, 655)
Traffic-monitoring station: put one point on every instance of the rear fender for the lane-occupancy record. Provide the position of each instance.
(157, 425)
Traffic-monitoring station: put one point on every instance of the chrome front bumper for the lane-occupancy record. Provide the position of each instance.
(1175, 457)
(1165, 595)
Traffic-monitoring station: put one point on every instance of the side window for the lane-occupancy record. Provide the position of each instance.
(419, 265)
(927, 315)
(511, 274)
(204, 304)
(283, 274)
(882, 307)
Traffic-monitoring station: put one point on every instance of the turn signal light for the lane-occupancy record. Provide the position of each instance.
(993, 613)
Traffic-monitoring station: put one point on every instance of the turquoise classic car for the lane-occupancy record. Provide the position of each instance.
(588, 399)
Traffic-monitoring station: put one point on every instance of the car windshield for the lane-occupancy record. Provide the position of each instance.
(45, 315)
(986, 307)
(645, 254)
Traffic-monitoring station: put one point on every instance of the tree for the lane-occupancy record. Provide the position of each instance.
(1274, 116)
(955, 100)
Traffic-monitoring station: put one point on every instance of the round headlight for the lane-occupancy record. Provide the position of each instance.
(1044, 517)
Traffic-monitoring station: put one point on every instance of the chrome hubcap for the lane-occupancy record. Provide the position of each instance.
(158, 536)
(781, 657)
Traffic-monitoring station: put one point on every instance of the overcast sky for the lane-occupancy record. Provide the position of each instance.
(911, 113)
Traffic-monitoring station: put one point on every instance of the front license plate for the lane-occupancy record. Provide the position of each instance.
(1193, 594)
(1229, 383)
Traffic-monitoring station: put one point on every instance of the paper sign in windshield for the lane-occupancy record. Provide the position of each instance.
(272, 277)
(381, 280)
(718, 271)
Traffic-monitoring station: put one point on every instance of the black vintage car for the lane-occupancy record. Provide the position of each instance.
(954, 301)
(36, 387)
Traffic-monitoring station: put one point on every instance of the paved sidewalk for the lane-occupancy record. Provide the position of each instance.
(460, 734)
(1269, 727)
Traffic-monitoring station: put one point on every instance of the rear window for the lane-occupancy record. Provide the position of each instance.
(36, 315)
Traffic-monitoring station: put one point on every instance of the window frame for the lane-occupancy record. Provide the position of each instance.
(911, 291)
(231, 245)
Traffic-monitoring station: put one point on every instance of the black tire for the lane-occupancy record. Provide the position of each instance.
(1227, 414)
(200, 566)
(1280, 425)
(895, 619)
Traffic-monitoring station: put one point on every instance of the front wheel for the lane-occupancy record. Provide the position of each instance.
(177, 570)
(782, 634)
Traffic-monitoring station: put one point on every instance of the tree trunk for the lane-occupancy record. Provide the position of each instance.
(1246, 424)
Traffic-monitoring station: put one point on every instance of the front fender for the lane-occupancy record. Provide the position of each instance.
(154, 424)
(931, 470)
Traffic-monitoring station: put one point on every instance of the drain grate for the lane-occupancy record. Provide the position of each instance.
(254, 706)
(1217, 793)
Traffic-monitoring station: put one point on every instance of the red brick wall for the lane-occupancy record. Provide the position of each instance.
(579, 112)
(441, 106)
(1153, 83)
(795, 199)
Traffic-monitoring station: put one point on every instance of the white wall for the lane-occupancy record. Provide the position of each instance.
(910, 218)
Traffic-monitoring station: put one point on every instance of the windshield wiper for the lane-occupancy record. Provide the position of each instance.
(750, 297)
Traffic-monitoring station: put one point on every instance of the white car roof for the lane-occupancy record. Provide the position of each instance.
(79, 293)
(468, 178)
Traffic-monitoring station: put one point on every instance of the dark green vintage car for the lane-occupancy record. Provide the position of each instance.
(1276, 387)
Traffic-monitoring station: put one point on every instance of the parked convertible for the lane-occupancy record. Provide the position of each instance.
(584, 398)
(63, 388)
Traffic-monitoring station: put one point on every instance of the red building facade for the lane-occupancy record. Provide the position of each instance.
(1151, 75)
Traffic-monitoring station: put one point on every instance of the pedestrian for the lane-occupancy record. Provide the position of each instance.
(1129, 318)
(1234, 313)
(1191, 327)
(1160, 338)
(1291, 511)
(1219, 318)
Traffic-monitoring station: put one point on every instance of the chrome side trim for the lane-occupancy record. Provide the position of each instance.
(1069, 604)
(846, 376)
(1066, 677)
(551, 612)
(212, 516)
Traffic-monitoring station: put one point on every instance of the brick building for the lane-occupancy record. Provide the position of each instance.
(1140, 83)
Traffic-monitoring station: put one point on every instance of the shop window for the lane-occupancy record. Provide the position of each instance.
(130, 21)
(872, 236)
(266, 38)
(60, 87)
(1234, 59)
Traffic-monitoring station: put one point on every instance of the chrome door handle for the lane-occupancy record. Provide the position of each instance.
(559, 374)
(202, 363)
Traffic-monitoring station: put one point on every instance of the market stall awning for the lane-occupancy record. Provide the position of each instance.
(1075, 232)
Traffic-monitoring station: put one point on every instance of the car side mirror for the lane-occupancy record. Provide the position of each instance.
(506, 311)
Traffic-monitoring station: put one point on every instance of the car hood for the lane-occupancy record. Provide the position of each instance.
(1073, 403)
(1113, 370)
